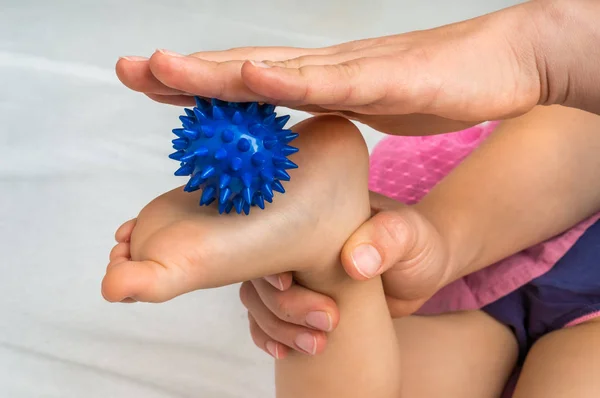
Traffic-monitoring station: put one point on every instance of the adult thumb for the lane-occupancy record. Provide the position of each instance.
(384, 240)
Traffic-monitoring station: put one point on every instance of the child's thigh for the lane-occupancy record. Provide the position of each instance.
(458, 355)
(564, 363)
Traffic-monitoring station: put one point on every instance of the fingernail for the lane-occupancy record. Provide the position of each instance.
(319, 320)
(134, 58)
(260, 64)
(275, 280)
(169, 53)
(367, 260)
(307, 343)
(272, 348)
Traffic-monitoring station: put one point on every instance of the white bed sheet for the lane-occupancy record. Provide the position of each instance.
(79, 154)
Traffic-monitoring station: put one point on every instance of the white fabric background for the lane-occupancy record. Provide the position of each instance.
(79, 154)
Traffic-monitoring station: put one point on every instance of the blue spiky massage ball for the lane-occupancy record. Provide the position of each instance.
(235, 152)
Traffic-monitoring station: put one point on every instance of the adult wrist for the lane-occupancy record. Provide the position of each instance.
(566, 44)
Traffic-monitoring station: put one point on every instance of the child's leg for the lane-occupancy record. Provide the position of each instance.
(564, 363)
(461, 355)
(456, 355)
(362, 358)
(175, 246)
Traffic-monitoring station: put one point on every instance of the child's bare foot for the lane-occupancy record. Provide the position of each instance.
(176, 246)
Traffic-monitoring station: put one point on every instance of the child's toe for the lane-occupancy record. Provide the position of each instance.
(120, 251)
(146, 281)
(123, 233)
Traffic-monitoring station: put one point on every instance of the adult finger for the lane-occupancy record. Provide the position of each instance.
(388, 238)
(299, 305)
(134, 72)
(300, 338)
(262, 53)
(281, 281)
(329, 59)
(264, 342)
(203, 78)
(345, 85)
(177, 100)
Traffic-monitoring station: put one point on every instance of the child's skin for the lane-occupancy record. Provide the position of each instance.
(489, 68)
(535, 177)
(176, 247)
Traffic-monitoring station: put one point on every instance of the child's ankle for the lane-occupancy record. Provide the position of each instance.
(344, 208)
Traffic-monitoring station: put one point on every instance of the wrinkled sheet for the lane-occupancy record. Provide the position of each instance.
(79, 154)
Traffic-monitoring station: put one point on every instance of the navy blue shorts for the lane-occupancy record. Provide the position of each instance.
(567, 294)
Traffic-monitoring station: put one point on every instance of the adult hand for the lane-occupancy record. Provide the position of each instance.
(445, 79)
(284, 315)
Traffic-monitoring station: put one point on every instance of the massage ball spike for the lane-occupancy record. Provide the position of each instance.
(236, 153)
